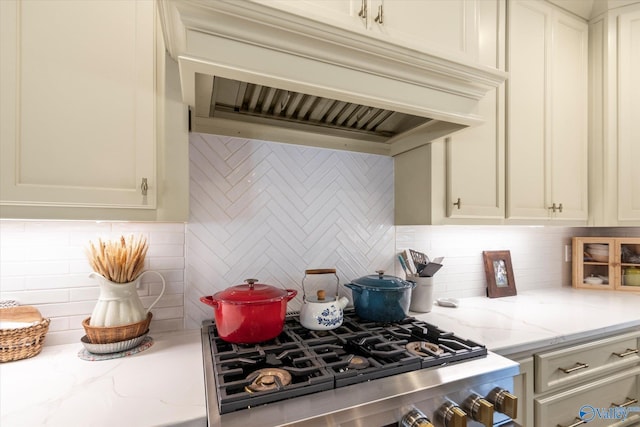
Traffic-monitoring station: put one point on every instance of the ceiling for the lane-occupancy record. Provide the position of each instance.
(588, 9)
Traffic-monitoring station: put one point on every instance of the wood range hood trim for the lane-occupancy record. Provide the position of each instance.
(253, 43)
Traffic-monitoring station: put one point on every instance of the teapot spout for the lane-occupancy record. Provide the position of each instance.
(342, 302)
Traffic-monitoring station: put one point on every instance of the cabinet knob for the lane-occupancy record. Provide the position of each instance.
(379, 18)
(630, 401)
(629, 352)
(363, 10)
(452, 415)
(504, 402)
(553, 208)
(577, 367)
(458, 203)
(479, 409)
(577, 422)
(144, 186)
(415, 418)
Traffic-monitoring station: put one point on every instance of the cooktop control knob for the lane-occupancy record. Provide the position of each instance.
(479, 409)
(504, 402)
(452, 415)
(415, 418)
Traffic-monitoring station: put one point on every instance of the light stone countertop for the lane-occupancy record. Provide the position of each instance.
(161, 386)
(164, 385)
(540, 318)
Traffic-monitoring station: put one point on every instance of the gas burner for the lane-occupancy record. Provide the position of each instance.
(357, 362)
(302, 361)
(268, 379)
(423, 348)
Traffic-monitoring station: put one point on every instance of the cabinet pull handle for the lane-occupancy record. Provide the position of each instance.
(553, 208)
(144, 186)
(560, 208)
(379, 17)
(363, 10)
(575, 368)
(629, 352)
(630, 401)
(458, 203)
(577, 422)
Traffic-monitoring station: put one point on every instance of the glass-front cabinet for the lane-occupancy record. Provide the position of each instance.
(606, 263)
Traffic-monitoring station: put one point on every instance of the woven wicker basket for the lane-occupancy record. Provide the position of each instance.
(112, 334)
(22, 343)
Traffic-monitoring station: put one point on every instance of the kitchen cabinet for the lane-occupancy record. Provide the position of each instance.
(83, 136)
(607, 260)
(460, 179)
(600, 403)
(523, 388)
(614, 186)
(450, 27)
(564, 384)
(547, 98)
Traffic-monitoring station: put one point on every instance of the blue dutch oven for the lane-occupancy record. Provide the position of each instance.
(381, 298)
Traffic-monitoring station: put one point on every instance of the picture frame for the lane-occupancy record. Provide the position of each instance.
(499, 274)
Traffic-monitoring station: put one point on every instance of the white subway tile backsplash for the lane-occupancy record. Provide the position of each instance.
(271, 211)
(268, 210)
(56, 282)
(38, 297)
(537, 254)
(43, 263)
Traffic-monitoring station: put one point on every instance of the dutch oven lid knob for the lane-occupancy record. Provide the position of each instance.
(251, 282)
(380, 273)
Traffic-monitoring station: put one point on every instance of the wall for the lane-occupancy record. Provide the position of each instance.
(271, 211)
(268, 210)
(537, 255)
(43, 263)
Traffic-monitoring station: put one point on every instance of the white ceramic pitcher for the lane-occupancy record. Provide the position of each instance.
(119, 303)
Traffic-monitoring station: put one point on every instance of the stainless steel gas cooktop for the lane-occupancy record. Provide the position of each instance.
(305, 377)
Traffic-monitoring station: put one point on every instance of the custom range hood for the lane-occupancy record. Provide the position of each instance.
(254, 71)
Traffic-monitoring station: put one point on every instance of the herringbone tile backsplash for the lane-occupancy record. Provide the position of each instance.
(270, 211)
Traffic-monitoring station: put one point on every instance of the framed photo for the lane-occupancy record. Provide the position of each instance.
(499, 272)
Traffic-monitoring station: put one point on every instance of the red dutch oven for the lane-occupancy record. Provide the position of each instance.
(250, 313)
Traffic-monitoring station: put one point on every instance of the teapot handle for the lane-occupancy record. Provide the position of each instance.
(164, 285)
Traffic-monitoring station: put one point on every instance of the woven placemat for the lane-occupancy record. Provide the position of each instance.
(147, 342)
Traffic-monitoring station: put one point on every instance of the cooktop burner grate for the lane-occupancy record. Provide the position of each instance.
(355, 352)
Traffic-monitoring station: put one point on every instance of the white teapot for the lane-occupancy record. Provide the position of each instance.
(322, 312)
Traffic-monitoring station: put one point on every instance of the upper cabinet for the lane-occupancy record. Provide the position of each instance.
(83, 98)
(450, 27)
(547, 116)
(614, 150)
(460, 180)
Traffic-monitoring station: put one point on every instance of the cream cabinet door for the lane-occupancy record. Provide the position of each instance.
(346, 14)
(461, 179)
(448, 26)
(451, 27)
(78, 103)
(605, 402)
(629, 118)
(546, 114)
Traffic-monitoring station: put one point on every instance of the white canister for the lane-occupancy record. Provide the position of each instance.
(422, 295)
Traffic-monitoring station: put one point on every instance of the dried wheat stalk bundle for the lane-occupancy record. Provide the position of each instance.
(120, 261)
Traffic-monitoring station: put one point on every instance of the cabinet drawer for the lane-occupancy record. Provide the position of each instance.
(596, 403)
(569, 366)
